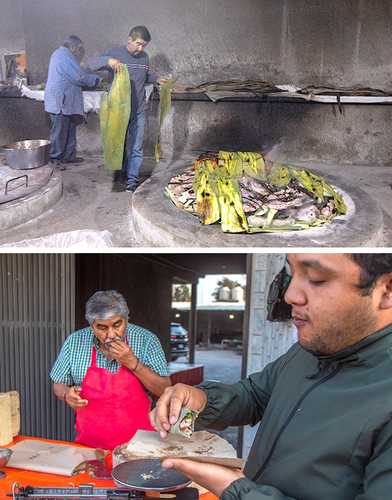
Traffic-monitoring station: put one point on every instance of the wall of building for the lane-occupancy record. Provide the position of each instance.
(267, 341)
(37, 313)
(12, 34)
(22, 119)
(283, 131)
(341, 42)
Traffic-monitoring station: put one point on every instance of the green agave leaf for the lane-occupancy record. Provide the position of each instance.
(165, 102)
(219, 196)
(114, 117)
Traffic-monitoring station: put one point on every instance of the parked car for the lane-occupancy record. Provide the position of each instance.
(235, 344)
(179, 343)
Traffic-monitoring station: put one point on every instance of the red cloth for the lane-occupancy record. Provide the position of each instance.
(118, 406)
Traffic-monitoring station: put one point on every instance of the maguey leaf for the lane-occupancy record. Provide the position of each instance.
(165, 100)
(237, 189)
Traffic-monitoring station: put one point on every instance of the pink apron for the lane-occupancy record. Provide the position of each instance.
(117, 407)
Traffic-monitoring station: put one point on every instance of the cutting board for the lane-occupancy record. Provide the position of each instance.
(15, 412)
(46, 457)
(202, 447)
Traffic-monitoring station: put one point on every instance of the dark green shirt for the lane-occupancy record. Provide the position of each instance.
(326, 424)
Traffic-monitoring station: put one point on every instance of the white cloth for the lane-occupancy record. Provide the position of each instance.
(91, 98)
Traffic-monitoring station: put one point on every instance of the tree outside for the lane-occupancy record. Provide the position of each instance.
(226, 282)
(181, 293)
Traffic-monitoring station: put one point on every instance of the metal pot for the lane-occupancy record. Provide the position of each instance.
(27, 154)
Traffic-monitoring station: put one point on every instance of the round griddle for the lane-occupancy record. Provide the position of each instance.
(148, 475)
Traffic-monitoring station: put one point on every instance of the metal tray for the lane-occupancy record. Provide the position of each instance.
(148, 475)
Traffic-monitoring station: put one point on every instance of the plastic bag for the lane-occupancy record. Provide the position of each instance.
(83, 239)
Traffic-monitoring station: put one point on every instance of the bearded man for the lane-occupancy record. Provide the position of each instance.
(324, 407)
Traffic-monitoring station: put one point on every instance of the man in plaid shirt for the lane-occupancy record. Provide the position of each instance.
(106, 373)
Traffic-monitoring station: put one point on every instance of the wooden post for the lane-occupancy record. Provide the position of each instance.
(193, 324)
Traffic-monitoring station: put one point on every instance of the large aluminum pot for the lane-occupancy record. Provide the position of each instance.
(27, 154)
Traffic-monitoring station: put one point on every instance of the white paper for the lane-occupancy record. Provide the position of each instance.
(72, 240)
(52, 458)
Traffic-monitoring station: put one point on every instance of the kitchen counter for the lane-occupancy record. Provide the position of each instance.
(28, 478)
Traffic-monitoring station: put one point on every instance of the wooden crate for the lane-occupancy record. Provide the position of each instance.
(9, 416)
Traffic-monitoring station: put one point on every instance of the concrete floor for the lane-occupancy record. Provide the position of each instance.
(89, 203)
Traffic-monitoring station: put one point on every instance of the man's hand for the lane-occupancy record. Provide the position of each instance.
(178, 88)
(121, 352)
(114, 64)
(169, 405)
(214, 478)
(73, 399)
(164, 79)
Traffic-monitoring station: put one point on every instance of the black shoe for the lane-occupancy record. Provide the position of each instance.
(75, 161)
(118, 177)
(133, 187)
(118, 187)
(58, 164)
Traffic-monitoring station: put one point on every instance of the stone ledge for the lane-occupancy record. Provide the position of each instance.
(24, 209)
(157, 222)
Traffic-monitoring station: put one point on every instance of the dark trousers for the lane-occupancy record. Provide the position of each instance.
(62, 137)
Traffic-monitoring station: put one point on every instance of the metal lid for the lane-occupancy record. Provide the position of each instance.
(148, 475)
